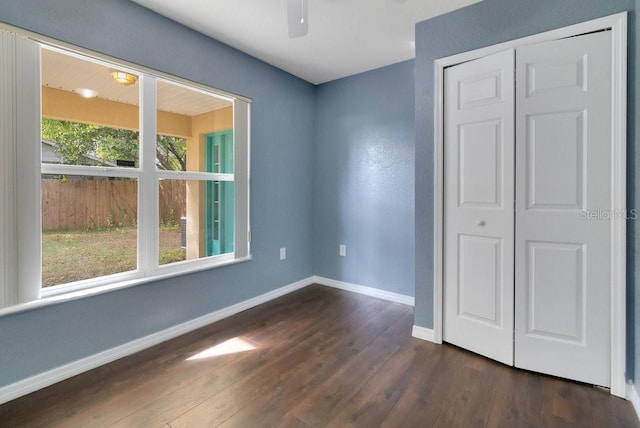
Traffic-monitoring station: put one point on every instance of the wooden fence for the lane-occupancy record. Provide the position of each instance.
(99, 203)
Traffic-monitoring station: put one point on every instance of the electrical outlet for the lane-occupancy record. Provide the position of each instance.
(283, 253)
(343, 250)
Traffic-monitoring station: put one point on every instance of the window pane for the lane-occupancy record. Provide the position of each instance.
(196, 219)
(195, 130)
(89, 227)
(172, 200)
(89, 112)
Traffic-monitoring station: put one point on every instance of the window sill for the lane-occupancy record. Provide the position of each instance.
(62, 296)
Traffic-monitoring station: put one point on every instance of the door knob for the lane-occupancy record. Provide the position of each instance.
(480, 223)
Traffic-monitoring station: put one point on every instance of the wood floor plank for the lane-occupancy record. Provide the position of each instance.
(229, 402)
(322, 357)
(333, 394)
(473, 390)
(429, 391)
(307, 377)
(275, 347)
(131, 382)
(509, 407)
(375, 399)
(128, 373)
(189, 376)
(605, 411)
(221, 406)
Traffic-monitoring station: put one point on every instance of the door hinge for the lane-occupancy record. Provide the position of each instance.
(249, 236)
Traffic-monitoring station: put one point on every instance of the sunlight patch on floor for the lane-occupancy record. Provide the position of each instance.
(231, 346)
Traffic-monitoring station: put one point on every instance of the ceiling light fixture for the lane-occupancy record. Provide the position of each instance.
(123, 78)
(86, 93)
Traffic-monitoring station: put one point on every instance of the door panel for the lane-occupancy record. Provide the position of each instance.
(548, 76)
(480, 164)
(479, 90)
(555, 172)
(563, 167)
(556, 291)
(478, 231)
(480, 284)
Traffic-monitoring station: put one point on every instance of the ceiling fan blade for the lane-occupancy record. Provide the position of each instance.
(297, 17)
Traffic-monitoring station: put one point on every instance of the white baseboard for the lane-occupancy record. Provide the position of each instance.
(423, 333)
(632, 395)
(42, 380)
(369, 291)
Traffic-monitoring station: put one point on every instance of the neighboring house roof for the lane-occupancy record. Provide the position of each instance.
(50, 155)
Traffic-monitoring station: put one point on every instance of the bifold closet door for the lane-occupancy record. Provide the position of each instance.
(478, 204)
(543, 268)
(563, 203)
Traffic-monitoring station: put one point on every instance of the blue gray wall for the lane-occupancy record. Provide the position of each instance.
(281, 193)
(330, 164)
(364, 191)
(484, 24)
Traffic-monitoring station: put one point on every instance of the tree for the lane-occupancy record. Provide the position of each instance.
(78, 143)
(171, 153)
(117, 144)
(71, 140)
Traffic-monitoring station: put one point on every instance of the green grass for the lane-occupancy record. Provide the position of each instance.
(74, 255)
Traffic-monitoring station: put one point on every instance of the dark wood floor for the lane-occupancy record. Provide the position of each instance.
(322, 357)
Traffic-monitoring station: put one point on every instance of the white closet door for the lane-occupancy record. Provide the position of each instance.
(563, 164)
(478, 213)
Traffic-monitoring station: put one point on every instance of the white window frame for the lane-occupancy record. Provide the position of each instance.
(21, 169)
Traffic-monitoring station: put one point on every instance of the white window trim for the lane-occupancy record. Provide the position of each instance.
(8, 174)
(20, 284)
(20, 111)
(72, 293)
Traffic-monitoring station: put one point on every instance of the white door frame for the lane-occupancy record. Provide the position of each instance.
(618, 26)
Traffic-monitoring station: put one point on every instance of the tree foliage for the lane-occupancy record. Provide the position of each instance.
(71, 140)
(82, 144)
(171, 153)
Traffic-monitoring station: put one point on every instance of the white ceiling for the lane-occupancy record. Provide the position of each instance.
(345, 37)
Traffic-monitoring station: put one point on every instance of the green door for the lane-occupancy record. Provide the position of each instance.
(219, 195)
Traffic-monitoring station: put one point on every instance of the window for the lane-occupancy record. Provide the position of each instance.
(205, 173)
(90, 139)
(138, 175)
